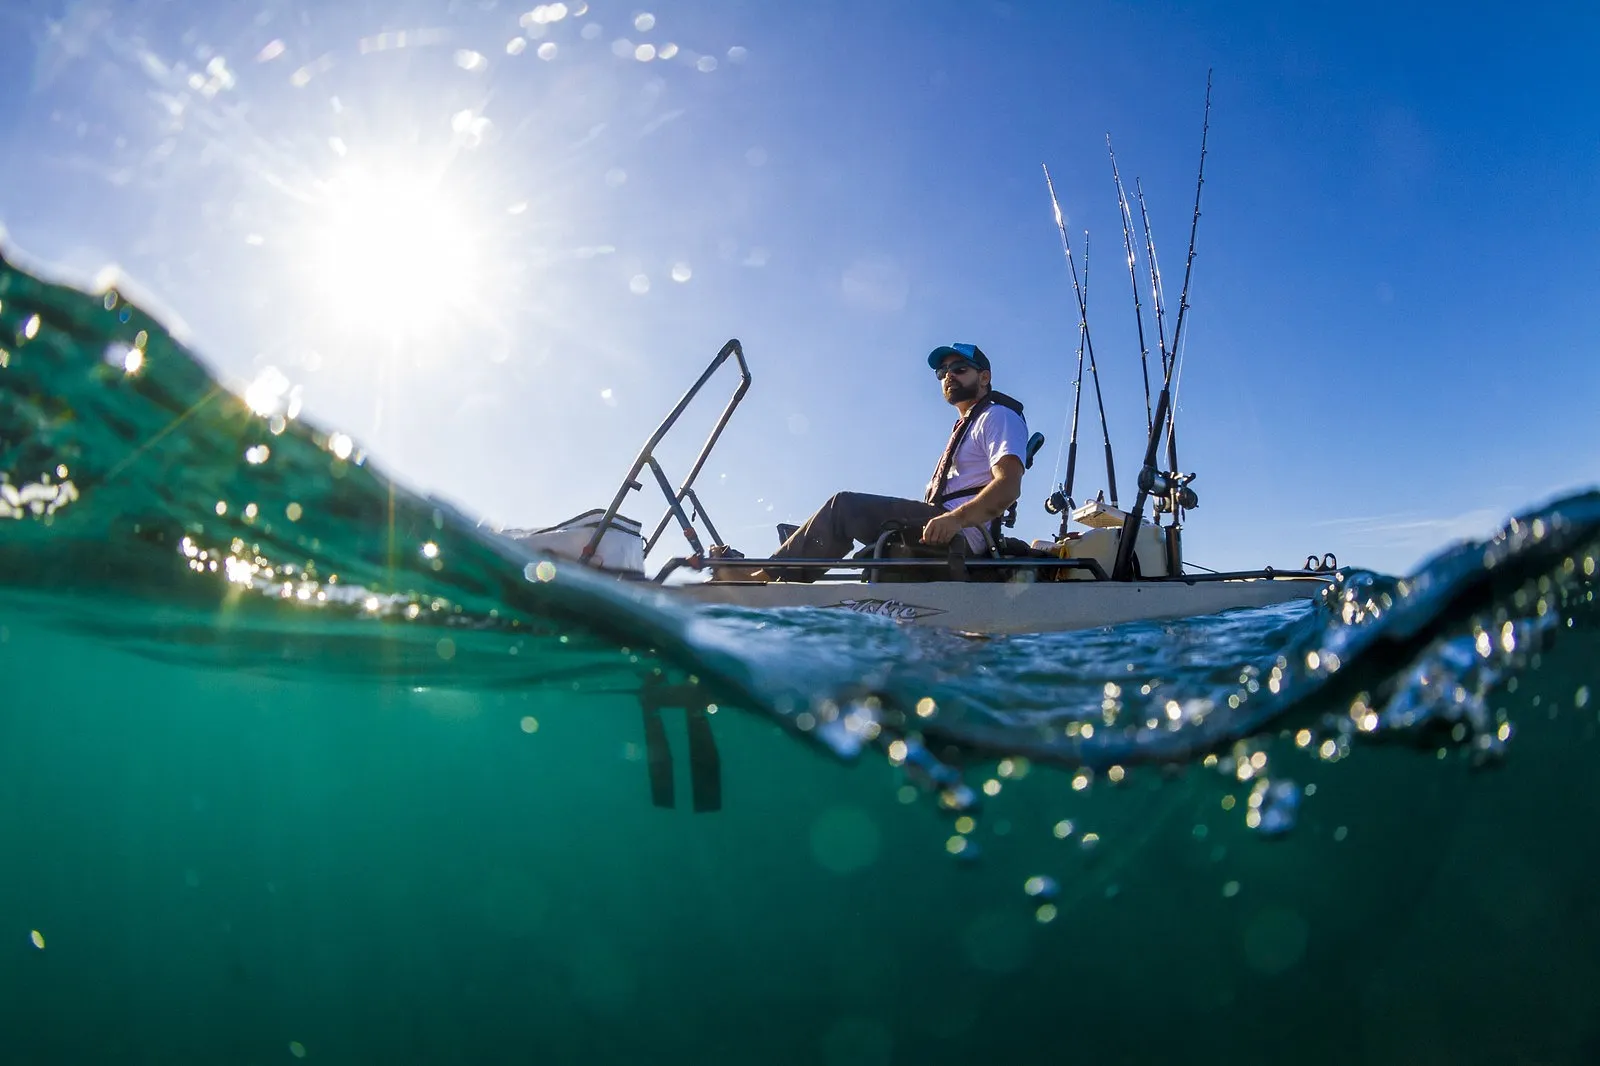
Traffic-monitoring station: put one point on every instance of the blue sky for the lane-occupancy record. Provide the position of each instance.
(1387, 346)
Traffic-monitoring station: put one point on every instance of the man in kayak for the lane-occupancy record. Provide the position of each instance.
(977, 480)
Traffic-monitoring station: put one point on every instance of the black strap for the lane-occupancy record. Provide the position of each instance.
(958, 433)
(941, 473)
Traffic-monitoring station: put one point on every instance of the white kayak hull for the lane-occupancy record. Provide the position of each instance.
(1013, 607)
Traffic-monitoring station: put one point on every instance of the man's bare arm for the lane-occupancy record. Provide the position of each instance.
(987, 505)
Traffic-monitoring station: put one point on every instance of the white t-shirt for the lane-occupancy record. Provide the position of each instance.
(997, 432)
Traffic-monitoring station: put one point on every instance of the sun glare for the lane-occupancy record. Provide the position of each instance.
(391, 250)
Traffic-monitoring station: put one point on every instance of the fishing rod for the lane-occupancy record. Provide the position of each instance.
(1150, 479)
(1188, 269)
(1083, 325)
(1133, 277)
(1158, 297)
(1065, 503)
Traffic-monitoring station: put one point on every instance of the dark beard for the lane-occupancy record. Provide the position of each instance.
(962, 393)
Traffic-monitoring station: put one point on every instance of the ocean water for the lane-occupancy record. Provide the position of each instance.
(299, 763)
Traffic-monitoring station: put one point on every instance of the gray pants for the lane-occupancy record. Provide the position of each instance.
(847, 518)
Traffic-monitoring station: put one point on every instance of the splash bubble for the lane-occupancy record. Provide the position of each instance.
(1041, 886)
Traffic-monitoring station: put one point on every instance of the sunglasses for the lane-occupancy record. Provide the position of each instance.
(953, 368)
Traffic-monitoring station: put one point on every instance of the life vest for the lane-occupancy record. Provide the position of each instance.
(936, 494)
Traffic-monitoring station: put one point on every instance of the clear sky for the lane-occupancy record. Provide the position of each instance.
(494, 243)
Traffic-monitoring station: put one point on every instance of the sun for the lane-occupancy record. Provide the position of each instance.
(393, 251)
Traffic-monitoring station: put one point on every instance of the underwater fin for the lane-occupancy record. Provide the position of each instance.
(659, 756)
(705, 765)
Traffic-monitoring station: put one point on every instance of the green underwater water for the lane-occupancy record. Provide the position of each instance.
(222, 865)
(297, 763)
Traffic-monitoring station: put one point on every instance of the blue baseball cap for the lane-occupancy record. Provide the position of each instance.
(970, 352)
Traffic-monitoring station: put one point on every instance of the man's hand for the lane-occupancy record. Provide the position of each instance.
(943, 528)
(986, 506)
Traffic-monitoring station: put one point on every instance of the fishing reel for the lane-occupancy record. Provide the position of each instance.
(1058, 503)
(1168, 488)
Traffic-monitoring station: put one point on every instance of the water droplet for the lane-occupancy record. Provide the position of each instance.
(681, 272)
(1063, 829)
(667, 51)
(471, 61)
(547, 51)
(257, 454)
(1039, 885)
(268, 394)
(130, 359)
(645, 53)
(1274, 807)
(38, 940)
(297, 1049)
(639, 285)
(1230, 889)
(706, 64)
(644, 23)
(737, 54)
(516, 46)
(293, 511)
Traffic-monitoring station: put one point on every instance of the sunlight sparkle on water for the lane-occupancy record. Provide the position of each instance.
(268, 394)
